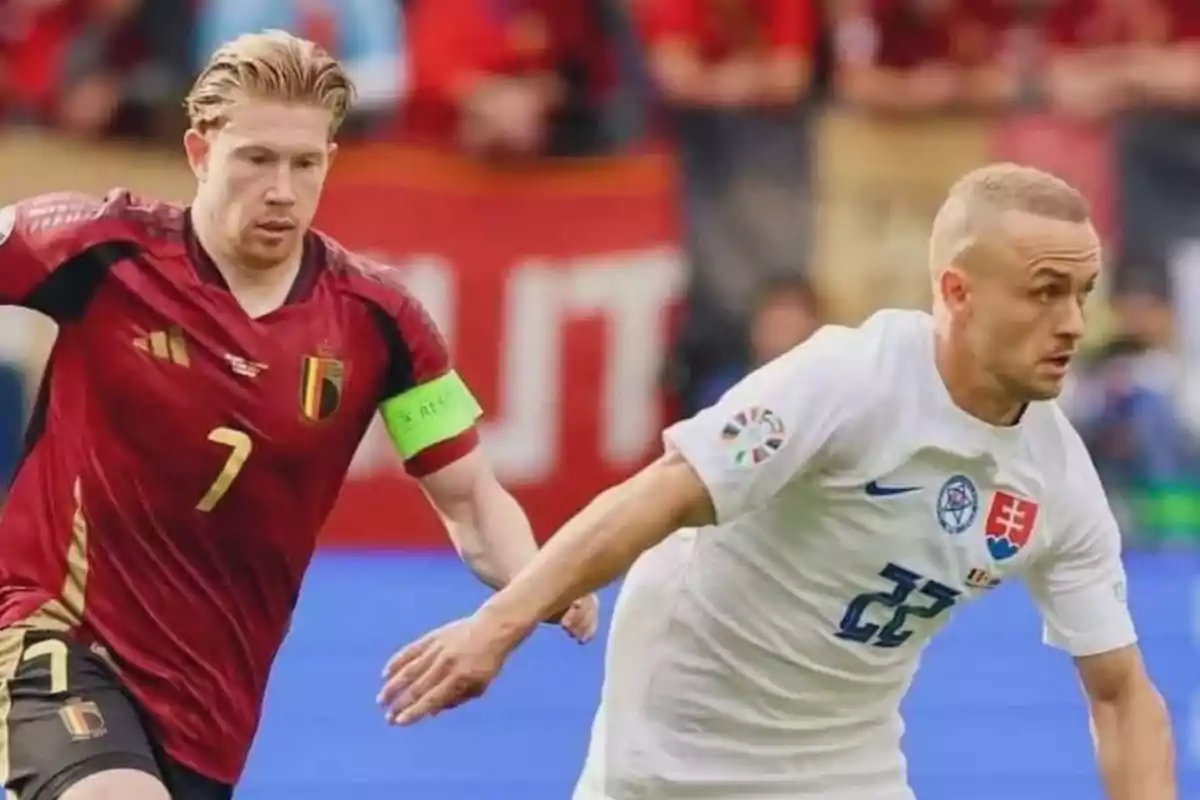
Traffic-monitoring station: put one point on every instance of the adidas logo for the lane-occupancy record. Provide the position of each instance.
(168, 345)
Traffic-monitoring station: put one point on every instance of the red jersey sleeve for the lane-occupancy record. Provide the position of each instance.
(55, 250)
(429, 411)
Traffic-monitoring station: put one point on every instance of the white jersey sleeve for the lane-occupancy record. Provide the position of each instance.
(1079, 582)
(772, 426)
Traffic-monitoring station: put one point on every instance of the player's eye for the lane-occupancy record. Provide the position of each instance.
(1054, 292)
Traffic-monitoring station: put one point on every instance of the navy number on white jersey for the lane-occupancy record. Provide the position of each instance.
(893, 633)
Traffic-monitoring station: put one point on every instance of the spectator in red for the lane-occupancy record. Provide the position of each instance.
(1113, 55)
(908, 56)
(75, 63)
(733, 76)
(1134, 65)
(505, 77)
(729, 53)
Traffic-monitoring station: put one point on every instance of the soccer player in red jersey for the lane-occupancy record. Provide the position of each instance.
(215, 369)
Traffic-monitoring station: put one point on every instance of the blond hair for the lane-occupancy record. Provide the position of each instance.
(985, 193)
(272, 65)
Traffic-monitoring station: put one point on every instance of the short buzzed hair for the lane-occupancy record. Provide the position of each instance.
(982, 194)
(272, 65)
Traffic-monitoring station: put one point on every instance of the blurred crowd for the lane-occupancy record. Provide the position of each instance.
(732, 86)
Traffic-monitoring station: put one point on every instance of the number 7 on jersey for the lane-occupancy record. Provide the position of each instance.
(241, 446)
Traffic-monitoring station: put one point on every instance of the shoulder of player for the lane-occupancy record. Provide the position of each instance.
(1059, 448)
(856, 348)
(867, 359)
(838, 367)
(1072, 486)
(119, 214)
(366, 279)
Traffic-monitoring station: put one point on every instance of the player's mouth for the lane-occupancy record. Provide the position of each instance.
(1059, 364)
(277, 227)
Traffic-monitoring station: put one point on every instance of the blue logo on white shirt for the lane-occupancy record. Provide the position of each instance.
(876, 489)
(957, 504)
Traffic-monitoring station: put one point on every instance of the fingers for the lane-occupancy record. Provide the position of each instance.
(582, 619)
(440, 687)
(438, 672)
(415, 672)
(408, 654)
(439, 692)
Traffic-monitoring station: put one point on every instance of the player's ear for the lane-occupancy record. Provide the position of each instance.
(331, 153)
(197, 148)
(954, 288)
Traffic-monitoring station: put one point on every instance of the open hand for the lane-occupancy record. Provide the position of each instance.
(442, 670)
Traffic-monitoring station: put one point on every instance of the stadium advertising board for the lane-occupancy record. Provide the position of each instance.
(553, 286)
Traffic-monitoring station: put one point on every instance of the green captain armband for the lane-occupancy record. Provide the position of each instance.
(430, 413)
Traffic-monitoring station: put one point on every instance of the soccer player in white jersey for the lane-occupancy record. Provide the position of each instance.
(829, 514)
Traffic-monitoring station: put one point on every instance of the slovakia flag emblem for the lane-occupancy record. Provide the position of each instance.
(1010, 522)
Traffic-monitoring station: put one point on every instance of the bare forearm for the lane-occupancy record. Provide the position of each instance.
(926, 88)
(594, 548)
(1134, 747)
(492, 535)
(873, 89)
(991, 87)
(1170, 79)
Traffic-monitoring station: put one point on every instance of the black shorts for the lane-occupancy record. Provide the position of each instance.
(64, 716)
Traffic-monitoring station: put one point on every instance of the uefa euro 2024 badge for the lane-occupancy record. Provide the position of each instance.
(753, 435)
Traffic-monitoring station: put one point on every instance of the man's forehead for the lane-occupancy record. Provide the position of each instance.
(1038, 239)
(285, 123)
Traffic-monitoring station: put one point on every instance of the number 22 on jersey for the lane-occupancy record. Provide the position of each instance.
(240, 447)
(937, 598)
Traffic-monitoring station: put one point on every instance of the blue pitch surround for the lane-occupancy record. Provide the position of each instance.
(994, 714)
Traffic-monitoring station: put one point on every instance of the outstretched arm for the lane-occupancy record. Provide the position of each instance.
(601, 542)
(1130, 726)
(724, 464)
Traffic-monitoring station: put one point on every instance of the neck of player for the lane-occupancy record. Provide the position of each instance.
(972, 389)
(258, 290)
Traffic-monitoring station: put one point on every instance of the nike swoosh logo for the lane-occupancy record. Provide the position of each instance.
(874, 489)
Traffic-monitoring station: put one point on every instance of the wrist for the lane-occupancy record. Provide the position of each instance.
(510, 626)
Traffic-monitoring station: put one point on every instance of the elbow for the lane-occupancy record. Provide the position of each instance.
(476, 554)
(1137, 706)
(491, 533)
(481, 563)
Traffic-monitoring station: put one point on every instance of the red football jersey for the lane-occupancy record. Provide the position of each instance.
(184, 456)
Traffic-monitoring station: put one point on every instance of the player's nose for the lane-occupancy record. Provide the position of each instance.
(1070, 321)
(282, 190)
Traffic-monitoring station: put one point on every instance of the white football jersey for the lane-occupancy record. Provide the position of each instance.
(858, 507)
